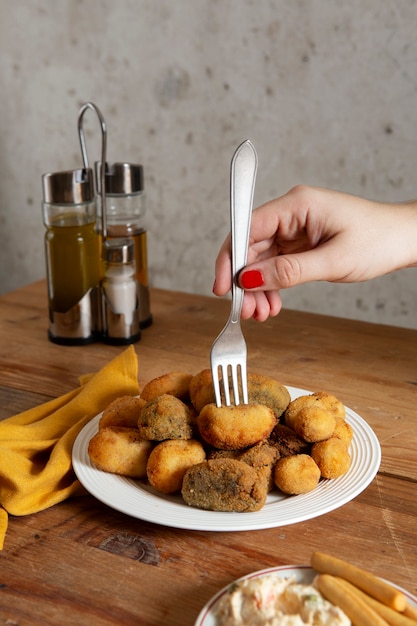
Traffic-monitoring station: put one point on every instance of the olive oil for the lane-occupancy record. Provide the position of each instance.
(72, 251)
(73, 267)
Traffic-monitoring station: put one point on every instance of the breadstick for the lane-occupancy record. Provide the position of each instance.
(394, 618)
(411, 612)
(356, 609)
(375, 587)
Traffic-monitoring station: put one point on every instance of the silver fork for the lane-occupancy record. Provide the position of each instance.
(228, 352)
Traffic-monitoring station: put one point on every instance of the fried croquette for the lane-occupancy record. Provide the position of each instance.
(296, 474)
(235, 427)
(174, 383)
(332, 457)
(262, 457)
(313, 423)
(261, 390)
(296, 405)
(123, 411)
(268, 391)
(331, 403)
(223, 485)
(343, 431)
(223, 454)
(121, 451)
(287, 442)
(201, 390)
(166, 417)
(169, 461)
(319, 398)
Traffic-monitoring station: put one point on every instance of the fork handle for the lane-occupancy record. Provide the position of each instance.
(242, 183)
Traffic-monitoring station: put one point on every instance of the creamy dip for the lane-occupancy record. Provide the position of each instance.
(273, 601)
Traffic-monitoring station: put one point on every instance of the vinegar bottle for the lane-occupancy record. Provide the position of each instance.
(125, 209)
(72, 251)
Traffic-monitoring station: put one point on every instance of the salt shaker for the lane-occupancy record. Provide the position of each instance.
(72, 256)
(121, 322)
(125, 209)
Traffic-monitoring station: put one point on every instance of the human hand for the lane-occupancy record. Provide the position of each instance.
(313, 234)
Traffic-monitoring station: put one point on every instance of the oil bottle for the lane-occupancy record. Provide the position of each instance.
(72, 251)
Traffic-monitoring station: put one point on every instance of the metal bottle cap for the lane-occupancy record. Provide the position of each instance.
(121, 178)
(119, 250)
(69, 187)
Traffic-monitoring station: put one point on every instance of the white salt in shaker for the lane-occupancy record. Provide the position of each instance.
(124, 215)
(121, 319)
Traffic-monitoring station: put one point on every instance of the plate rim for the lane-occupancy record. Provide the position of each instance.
(155, 505)
(208, 607)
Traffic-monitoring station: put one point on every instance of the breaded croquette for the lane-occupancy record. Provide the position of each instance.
(287, 442)
(201, 390)
(269, 392)
(332, 457)
(174, 383)
(261, 390)
(123, 411)
(223, 485)
(319, 398)
(343, 430)
(313, 423)
(223, 454)
(331, 403)
(121, 451)
(166, 417)
(296, 474)
(169, 461)
(262, 457)
(235, 427)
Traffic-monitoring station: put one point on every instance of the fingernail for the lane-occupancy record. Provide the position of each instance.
(214, 285)
(252, 279)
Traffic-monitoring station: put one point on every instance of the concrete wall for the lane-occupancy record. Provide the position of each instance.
(327, 92)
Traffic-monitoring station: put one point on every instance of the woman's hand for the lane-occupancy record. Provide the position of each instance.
(313, 234)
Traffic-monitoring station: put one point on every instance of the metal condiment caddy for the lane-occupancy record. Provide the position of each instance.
(96, 256)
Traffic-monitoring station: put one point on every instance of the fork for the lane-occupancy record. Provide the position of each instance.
(228, 352)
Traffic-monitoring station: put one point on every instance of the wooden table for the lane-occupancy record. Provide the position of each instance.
(82, 562)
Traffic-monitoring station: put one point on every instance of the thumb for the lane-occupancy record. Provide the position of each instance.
(282, 272)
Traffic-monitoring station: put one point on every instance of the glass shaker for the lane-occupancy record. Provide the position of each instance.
(72, 250)
(121, 323)
(125, 209)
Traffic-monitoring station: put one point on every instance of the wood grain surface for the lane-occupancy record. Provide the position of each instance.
(81, 562)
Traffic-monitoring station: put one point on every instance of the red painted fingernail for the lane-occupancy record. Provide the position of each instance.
(252, 279)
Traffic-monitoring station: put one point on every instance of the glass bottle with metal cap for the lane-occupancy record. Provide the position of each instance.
(125, 209)
(72, 250)
(121, 323)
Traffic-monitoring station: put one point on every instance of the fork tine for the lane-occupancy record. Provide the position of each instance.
(235, 383)
(225, 377)
(239, 382)
(216, 385)
(244, 382)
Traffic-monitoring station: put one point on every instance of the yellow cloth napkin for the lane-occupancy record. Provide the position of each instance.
(36, 446)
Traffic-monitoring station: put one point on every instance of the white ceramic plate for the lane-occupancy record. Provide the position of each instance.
(139, 500)
(303, 574)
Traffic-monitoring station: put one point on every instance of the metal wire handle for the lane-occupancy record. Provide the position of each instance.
(83, 109)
